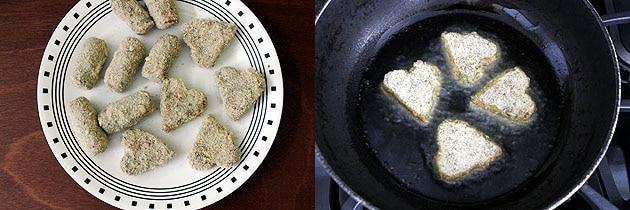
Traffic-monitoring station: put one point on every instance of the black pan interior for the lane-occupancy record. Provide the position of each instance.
(582, 85)
(406, 148)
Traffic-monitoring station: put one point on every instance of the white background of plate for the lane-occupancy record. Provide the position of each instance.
(177, 171)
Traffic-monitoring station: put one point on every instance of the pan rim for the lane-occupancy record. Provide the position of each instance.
(615, 116)
(340, 182)
(322, 11)
(584, 177)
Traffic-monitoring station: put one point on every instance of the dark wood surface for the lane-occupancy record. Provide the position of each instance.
(30, 176)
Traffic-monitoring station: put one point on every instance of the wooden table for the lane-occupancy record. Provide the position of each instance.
(30, 176)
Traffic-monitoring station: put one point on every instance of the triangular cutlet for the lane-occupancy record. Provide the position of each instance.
(468, 53)
(214, 144)
(143, 152)
(178, 104)
(506, 95)
(207, 39)
(462, 149)
(417, 89)
(239, 90)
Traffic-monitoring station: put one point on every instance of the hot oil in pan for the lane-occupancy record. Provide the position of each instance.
(407, 148)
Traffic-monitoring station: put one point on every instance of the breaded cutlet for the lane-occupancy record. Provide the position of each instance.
(416, 89)
(239, 90)
(179, 104)
(506, 95)
(143, 151)
(214, 145)
(207, 39)
(468, 53)
(462, 149)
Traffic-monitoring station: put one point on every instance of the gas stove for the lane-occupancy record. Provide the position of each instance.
(607, 188)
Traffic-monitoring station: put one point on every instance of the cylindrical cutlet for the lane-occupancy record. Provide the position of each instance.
(92, 56)
(82, 118)
(136, 17)
(122, 69)
(164, 12)
(126, 112)
(161, 58)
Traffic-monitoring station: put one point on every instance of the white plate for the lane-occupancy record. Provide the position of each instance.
(175, 185)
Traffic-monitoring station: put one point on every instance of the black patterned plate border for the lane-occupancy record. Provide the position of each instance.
(116, 190)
